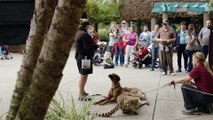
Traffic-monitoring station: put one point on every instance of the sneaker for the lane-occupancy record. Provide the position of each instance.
(164, 73)
(172, 73)
(85, 93)
(179, 70)
(206, 109)
(85, 97)
(152, 70)
(211, 108)
(190, 112)
(126, 65)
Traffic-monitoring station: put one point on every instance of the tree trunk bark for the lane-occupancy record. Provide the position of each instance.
(40, 23)
(52, 60)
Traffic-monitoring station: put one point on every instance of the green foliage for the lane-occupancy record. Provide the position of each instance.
(102, 26)
(99, 11)
(211, 3)
(2, 116)
(103, 34)
(93, 10)
(176, 27)
(59, 110)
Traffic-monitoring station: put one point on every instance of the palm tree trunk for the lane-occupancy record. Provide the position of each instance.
(40, 23)
(52, 60)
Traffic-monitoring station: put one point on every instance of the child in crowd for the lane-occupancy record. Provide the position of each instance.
(4, 52)
(139, 52)
(108, 63)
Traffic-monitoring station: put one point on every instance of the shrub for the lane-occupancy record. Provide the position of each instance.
(59, 110)
(103, 35)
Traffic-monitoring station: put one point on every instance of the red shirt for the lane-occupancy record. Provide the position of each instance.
(203, 79)
(95, 37)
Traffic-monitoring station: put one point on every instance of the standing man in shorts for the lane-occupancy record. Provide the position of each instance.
(85, 49)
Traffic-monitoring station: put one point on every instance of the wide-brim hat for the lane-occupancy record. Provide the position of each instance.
(84, 22)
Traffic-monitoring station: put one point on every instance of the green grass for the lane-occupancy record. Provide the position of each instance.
(2, 116)
(59, 110)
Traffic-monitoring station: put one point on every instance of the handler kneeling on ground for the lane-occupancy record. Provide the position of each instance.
(197, 87)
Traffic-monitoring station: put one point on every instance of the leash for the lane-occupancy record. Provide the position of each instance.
(156, 97)
(99, 95)
(196, 90)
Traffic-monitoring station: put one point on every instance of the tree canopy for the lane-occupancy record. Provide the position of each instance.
(102, 11)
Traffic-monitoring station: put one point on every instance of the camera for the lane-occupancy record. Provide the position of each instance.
(191, 28)
(117, 31)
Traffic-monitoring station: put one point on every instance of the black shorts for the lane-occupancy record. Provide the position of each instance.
(84, 71)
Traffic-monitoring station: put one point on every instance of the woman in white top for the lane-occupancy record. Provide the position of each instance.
(191, 45)
(112, 37)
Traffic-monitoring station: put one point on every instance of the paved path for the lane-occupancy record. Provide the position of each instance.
(167, 102)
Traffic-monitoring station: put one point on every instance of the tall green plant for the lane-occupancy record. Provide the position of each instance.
(59, 110)
(104, 35)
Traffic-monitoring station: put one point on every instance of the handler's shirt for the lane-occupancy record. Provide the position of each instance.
(203, 79)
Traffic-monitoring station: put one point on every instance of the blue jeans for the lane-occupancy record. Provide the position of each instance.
(0, 51)
(110, 50)
(189, 53)
(154, 56)
(119, 55)
(205, 50)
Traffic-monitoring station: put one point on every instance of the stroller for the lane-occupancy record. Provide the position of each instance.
(5, 53)
(143, 56)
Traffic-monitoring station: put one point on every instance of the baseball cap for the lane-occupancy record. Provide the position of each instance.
(166, 21)
(123, 22)
(183, 23)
